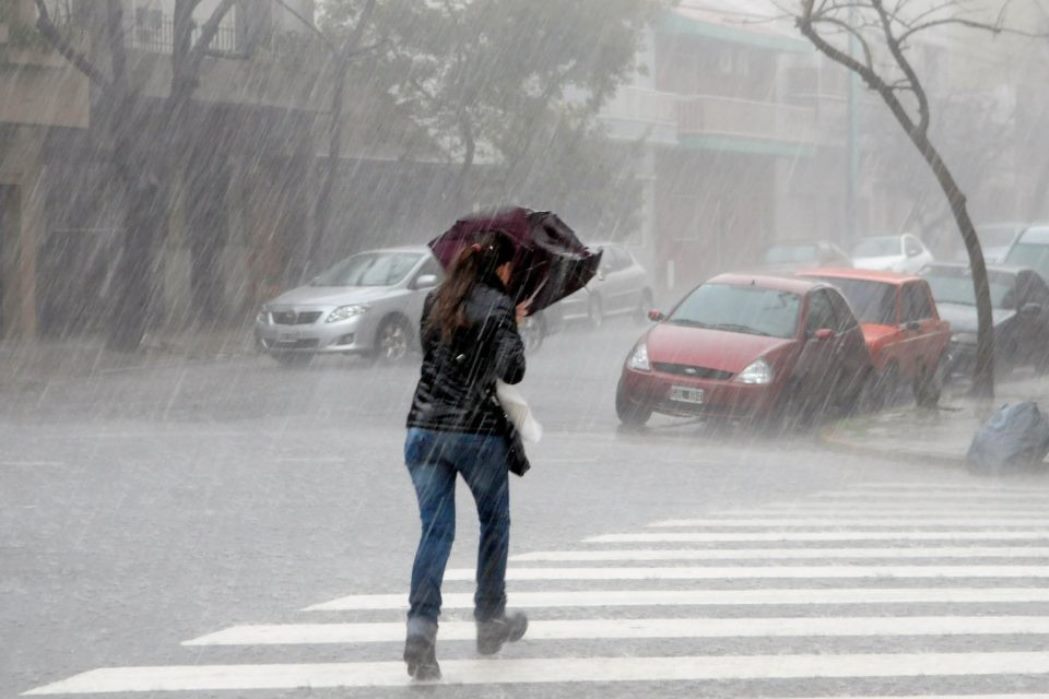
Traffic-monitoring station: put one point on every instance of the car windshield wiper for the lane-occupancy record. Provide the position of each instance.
(736, 328)
(689, 322)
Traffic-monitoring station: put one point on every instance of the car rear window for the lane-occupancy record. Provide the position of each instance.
(743, 309)
(871, 301)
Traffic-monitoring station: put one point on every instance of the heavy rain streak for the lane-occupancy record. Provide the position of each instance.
(524, 348)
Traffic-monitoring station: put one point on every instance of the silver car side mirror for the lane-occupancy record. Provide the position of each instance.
(425, 281)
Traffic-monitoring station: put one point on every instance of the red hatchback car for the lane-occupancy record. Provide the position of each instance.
(746, 346)
(906, 339)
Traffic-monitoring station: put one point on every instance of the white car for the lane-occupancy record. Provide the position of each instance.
(905, 253)
(368, 304)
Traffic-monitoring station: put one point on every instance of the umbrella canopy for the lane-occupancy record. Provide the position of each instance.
(551, 262)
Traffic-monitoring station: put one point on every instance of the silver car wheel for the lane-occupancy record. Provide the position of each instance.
(393, 341)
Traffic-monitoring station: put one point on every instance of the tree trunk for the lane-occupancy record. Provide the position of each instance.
(983, 378)
(322, 208)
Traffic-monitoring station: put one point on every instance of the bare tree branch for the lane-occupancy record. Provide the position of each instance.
(207, 33)
(308, 24)
(47, 28)
(864, 45)
(905, 65)
(115, 31)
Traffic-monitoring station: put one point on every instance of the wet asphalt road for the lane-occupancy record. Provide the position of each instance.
(142, 509)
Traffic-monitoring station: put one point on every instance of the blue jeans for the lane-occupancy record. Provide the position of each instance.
(434, 459)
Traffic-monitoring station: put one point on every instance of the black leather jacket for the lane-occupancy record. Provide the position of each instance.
(457, 384)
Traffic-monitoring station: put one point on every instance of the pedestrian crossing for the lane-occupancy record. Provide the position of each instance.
(921, 588)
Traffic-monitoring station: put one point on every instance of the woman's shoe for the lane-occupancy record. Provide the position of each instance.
(420, 651)
(492, 634)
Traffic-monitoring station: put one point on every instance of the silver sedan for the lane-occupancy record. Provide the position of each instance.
(368, 304)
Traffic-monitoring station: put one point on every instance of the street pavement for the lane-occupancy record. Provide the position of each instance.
(938, 436)
(234, 529)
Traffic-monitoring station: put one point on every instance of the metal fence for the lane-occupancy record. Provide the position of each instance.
(155, 33)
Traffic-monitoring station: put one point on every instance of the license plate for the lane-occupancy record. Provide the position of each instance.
(287, 337)
(687, 394)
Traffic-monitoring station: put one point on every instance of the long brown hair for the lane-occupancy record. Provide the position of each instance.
(476, 263)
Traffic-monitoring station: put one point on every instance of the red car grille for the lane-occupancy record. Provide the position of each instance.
(694, 372)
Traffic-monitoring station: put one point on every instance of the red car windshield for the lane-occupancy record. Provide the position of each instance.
(872, 302)
(740, 309)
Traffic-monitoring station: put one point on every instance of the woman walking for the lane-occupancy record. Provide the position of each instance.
(456, 427)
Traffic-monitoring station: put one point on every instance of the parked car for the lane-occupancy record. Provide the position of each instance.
(894, 253)
(620, 287)
(1020, 308)
(792, 254)
(746, 346)
(995, 241)
(905, 336)
(368, 304)
(1031, 249)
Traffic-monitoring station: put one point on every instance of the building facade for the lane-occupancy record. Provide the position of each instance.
(238, 188)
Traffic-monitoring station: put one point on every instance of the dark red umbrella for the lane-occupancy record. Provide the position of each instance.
(551, 262)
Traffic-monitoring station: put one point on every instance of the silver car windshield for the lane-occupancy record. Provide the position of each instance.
(369, 269)
(949, 286)
(780, 254)
(877, 247)
(740, 309)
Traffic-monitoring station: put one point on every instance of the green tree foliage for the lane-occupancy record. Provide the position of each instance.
(509, 91)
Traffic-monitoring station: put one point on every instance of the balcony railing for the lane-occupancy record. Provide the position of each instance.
(642, 105)
(157, 35)
(727, 116)
(713, 115)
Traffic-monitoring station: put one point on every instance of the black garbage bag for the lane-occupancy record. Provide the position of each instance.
(1015, 437)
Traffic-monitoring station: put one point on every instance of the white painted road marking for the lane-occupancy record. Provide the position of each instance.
(551, 670)
(915, 523)
(760, 572)
(985, 496)
(972, 510)
(969, 487)
(691, 554)
(30, 464)
(654, 598)
(711, 537)
(596, 629)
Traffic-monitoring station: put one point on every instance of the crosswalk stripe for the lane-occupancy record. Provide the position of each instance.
(657, 598)
(975, 511)
(926, 696)
(760, 572)
(931, 486)
(682, 537)
(551, 670)
(591, 629)
(966, 522)
(931, 552)
(1032, 499)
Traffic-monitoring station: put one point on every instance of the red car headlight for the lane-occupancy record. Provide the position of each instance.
(638, 360)
(757, 373)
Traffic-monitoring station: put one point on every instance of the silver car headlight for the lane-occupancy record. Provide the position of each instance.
(263, 317)
(639, 359)
(964, 338)
(346, 312)
(757, 373)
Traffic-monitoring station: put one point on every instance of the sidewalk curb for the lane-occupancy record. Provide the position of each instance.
(828, 439)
